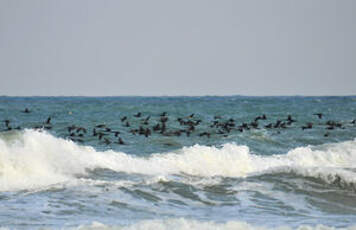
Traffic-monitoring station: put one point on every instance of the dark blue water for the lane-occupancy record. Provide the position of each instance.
(219, 162)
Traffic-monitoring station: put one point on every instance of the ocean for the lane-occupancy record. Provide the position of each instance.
(182, 163)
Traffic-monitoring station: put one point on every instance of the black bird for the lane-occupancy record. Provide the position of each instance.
(254, 124)
(100, 135)
(163, 128)
(331, 123)
(164, 119)
(48, 121)
(70, 128)
(101, 126)
(290, 119)
(204, 134)
(283, 125)
(123, 119)
(180, 120)
(263, 117)
(147, 132)
(120, 141)
(163, 114)
(191, 116)
(84, 130)
(138, 114)
(26, 110)
(116, 133)
(156, 127)
(320, 115)
(191, 128)
(308, 126)
(197, 122)
(134, 131)
(145, 121)
(278, 122)
(141, 130)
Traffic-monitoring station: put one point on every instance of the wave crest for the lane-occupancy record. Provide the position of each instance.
(186, 224)
(35, 159)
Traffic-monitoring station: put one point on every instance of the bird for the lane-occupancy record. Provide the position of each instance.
(204, 134)
(308, 126)
(70, 128)
(7, 122)
(164, 119)
(116, 133)
(320, 115)
(290, 119)
(120, 141)
(191, 116)
(101, 126)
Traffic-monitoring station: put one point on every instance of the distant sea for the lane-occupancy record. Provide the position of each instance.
(178, 162)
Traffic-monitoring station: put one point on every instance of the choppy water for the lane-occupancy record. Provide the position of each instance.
(219, 176)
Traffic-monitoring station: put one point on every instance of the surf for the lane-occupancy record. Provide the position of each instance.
(32, 159)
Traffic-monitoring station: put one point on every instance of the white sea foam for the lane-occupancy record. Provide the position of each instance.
(38, 159)
(186, 224)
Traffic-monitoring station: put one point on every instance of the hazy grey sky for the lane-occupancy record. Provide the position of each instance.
(195, 47)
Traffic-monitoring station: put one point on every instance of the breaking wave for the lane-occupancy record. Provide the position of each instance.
(186, 224)
(32, 159)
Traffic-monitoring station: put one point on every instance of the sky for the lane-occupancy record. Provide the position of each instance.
(170, 48)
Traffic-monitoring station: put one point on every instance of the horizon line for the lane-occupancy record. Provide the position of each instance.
(207, 95)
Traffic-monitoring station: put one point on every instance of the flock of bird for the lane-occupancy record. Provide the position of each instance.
(188, 125)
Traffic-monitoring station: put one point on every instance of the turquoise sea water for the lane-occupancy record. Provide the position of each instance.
(220, 162)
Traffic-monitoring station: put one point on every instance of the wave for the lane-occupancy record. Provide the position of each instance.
(32, 159)
(186, 224)
(189, 224)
